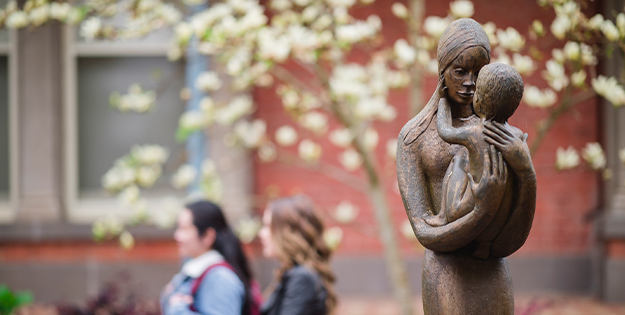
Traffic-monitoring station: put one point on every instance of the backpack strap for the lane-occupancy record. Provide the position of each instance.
(198, 281)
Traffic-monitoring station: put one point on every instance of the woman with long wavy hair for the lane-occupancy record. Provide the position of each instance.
(292, 232)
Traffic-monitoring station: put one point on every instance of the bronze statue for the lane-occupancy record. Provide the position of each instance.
(472, 204)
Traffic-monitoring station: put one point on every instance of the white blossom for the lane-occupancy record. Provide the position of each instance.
(185, 175)
(309, 151)
(461, 8)
(388, 114)
(400, 10)
(593, 154)
(558, 55)
(350, 159)
(147, 175)
(579, 78)
(17, 20)
(315, 122)
(406, 230)
(534, 97)
(150, 154)
(118, 177)
(435, 26)
(566, 158)
(267, 152)
(341, 16)
(620, 22)
(39, 15)
(286, 136)
(510, 39)
(209, 169)
(490, 28)
(371, 139)
(341, 137)
(126, 240)
(555, 75)
(129, 195)
(345, 212)
(60, 11)
(538, 28)
(169, 13)
(208, 81)
(596, 21)
(588, 57)
(273, 46)
(247, 229)
(560, 26)
(391, 148)
(251, 134)
(340, 3)
(193, 120)
(174, 53)
(568, 8)
(165, 215)
(405, 53)
(281, 5)
(523, 64)
(572, 51)
(183, 32)
(137, 100)
(332, 237)
(370, 107)
(91, 28)
(356, 32)
(610, 30)
(237, 108)
(609, 89)
(310, 13)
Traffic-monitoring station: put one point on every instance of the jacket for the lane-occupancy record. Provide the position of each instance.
(300, 292)
(221, 292)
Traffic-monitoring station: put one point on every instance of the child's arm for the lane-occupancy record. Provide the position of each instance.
(445, 128)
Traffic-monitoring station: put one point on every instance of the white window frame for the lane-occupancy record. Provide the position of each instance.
(86, 210)
(8, 208)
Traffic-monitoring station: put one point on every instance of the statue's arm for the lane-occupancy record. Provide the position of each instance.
(418, 202)
(445, 128)
(513, 145)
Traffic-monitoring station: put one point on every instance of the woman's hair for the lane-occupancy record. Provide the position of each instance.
(457, 37)
(297, 232)
(208, 215)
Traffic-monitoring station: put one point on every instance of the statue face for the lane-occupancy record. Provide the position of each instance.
(462, 73)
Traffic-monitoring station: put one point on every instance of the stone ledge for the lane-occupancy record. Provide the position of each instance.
(37, 232)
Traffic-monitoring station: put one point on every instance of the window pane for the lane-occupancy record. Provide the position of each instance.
(105, 134)
(4, 127)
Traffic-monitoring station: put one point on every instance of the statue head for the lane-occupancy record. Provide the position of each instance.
(498, 93)
(457, 37)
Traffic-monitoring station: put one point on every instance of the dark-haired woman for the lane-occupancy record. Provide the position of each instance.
(215, 278)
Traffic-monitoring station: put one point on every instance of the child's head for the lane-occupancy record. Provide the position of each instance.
(499, 89)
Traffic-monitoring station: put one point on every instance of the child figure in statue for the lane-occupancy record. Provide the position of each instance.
(499, 89)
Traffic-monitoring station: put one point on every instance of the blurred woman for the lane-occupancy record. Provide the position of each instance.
(215, 278)
(292, 232)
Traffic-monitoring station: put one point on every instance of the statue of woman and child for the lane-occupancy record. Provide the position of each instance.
(467, 179)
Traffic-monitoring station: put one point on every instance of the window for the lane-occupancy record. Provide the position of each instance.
(8, 127)
(97, 134)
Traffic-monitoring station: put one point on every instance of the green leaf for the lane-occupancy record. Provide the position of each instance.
(182, 134)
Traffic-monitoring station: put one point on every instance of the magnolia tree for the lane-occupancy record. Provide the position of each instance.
(270, 45)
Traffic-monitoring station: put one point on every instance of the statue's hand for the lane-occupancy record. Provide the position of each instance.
(489, 191)
(513, 148)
